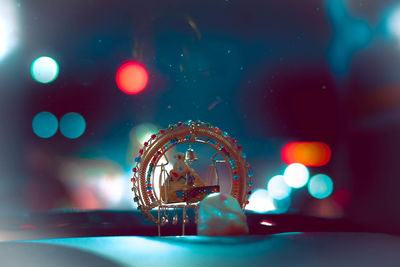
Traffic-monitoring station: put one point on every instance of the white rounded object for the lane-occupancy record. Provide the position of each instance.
(220, 215)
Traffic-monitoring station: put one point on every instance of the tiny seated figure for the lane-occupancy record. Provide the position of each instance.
(181, 183)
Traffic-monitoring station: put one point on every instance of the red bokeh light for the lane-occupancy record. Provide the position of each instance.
(311, 154)
(131, 77)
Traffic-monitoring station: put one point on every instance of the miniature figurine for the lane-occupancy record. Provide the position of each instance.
(181, 180)
(182, 187)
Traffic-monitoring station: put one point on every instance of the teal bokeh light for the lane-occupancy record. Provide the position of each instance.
(44, 124)
(320, 186)
(350, 35)
(44, 69)
(72, 125)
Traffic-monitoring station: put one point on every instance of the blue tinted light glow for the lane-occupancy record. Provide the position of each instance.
(4, 38)
(44, 124)
(44, 69)
(144, 131)
(394, 23)
(260, 201)
(277, 187)
(282, 205)
(8, 27)
(350, 35)
(72, 125)
(320, 186)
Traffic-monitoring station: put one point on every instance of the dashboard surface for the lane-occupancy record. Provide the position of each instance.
(288, 249)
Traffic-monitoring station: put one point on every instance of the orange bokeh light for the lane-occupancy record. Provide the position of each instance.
(312, 154)
(131, 77)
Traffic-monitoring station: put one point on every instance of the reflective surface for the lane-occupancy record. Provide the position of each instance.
(309, 249)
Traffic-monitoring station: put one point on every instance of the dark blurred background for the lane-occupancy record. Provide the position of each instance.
(269, 72)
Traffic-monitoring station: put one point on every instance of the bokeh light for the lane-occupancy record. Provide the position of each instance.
(307, 153)
(144, 131)
(350, 35)
(320, 186)
(72, 125)
(112, 188)
(44, 69)
(296, 175)
(132, 78)
(3, 39)
(277, 187)
(45, 124)
(394, 23)
(8, 27)
(282, 205)
(95, 184)
(260, 201)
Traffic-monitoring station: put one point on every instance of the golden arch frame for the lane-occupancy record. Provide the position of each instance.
(188, 132)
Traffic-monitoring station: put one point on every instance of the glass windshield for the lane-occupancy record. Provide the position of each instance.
(309, 89)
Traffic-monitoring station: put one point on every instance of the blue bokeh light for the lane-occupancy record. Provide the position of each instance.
(282, 205)
(44, 124)
(72, 125)
(320, 186)
(350, 35)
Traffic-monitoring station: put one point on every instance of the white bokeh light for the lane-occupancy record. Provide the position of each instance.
(277, 187)
(8, 27)
(3, 39)
(296, 175)
(112, 188)
(260, 201)
(394, 23)
(44, 69)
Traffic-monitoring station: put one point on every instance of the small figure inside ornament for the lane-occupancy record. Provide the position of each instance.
(183, 183)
